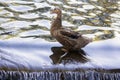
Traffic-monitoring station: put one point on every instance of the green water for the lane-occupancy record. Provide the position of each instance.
(98, 19)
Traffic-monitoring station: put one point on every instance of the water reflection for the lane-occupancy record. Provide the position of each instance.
(72, 57)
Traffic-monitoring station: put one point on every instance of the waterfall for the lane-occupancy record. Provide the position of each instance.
(62, 75)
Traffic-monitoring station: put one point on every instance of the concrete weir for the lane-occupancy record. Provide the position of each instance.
(45, 61)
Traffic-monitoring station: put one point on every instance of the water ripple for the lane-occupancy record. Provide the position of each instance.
(75, 14)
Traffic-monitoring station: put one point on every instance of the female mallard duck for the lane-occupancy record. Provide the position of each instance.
(69, 39)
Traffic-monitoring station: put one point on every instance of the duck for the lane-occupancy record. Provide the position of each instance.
(70, 40)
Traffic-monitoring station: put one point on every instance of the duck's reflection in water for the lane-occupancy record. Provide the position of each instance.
(59, 56)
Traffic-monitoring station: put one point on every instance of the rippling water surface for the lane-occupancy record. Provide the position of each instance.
(25, 41)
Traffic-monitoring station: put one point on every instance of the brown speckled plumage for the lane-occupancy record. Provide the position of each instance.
(69, 39)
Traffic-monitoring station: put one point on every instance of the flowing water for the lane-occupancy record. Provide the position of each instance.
(91, 75)
(28, 52)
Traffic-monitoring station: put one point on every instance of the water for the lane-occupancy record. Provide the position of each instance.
(26, 43)
(30, 19)
(87, 75)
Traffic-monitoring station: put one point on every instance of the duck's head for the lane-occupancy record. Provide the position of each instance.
(56, 11)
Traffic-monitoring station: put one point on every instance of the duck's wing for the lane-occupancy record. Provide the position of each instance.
(70, 34)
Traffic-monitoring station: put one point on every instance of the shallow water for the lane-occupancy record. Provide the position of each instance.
(26, 44)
